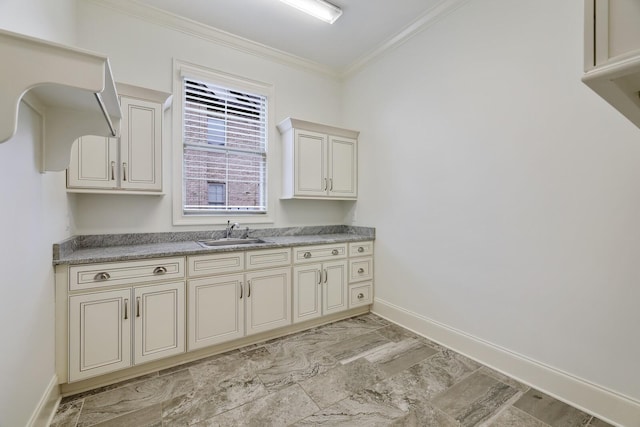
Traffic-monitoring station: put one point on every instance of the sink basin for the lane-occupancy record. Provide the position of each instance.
(227, 242)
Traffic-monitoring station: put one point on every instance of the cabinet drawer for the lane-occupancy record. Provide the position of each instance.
(206, 265)
(268, 258)
(319, 253)
(360, 269)
(90, 276)
(360, 294)
(360, 248)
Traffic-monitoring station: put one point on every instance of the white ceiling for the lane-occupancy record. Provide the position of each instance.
(364, 26)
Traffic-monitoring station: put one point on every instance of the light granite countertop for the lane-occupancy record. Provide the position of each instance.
(108, 248)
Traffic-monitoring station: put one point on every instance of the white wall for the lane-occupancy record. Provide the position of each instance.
(141, 53)
(45, 19)
(506, 194)
(33, 216)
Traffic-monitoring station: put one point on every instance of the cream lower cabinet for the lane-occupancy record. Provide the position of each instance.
(216, 310)
(99, 333)
(319, 289)
(320, 280)
(223, 307)
(104, 328)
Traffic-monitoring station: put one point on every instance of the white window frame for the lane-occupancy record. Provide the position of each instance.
(182, 69)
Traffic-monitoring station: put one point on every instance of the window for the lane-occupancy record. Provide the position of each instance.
(217, 194)
(224, 149)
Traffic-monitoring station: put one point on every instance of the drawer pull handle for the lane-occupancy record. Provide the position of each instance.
(361, 270)
(320, 274)
(102, 276)
(360, 249)
(160, 270)
(334, 252)
(360, 295)
(249, 291)
(307, 255)
(126, 308)
(138, 307)
(326, 275)
(241, 289)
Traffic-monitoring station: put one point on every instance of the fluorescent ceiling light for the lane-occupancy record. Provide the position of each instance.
(320, 9)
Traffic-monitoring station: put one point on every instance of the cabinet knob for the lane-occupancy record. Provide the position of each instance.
(361, 270)
(102, 276)
(360, 295)
(334, 252)
(160, 270)
(307, 255)
(360, 249)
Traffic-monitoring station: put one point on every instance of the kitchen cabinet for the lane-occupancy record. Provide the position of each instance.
(111, 329)
(319, 288)
(360, 274)
(100, 328)
(612, 53)
(131, 163)
(116, 316)
(227, 306)
(99, 333)
(216, 310)
(320, 162)
(158, 321)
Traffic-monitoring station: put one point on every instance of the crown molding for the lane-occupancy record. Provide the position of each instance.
(423, 22)
(206, 32)
(188, 26)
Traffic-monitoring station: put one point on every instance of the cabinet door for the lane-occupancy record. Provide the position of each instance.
(93, 163)
(617, 33)
(159, 321)
(310, 164)
(307, 292)
(141, 145)
(268, 301)
(343, 167)
(334, 287)
(216, 310)
(99, 333)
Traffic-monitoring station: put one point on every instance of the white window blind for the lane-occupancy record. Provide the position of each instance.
(225, 141)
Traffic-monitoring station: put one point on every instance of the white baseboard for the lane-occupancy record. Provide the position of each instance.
(607, 405)
(46, 409)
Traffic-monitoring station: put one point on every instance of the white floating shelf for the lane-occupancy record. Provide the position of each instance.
(74, 88)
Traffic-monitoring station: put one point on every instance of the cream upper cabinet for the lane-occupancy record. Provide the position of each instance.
(131, 163)
(320, 162)
(141, 145)
(612, 53)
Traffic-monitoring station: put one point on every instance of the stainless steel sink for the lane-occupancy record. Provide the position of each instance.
(227, 242)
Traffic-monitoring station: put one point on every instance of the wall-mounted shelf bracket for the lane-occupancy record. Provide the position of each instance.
(74, 87)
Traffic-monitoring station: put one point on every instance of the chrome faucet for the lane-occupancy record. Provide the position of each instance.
(230, 227)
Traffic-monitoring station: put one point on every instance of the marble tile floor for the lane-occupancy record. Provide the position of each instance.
(363, 371)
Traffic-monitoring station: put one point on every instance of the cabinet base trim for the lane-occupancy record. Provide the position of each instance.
(607, 405)
(67, 389)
